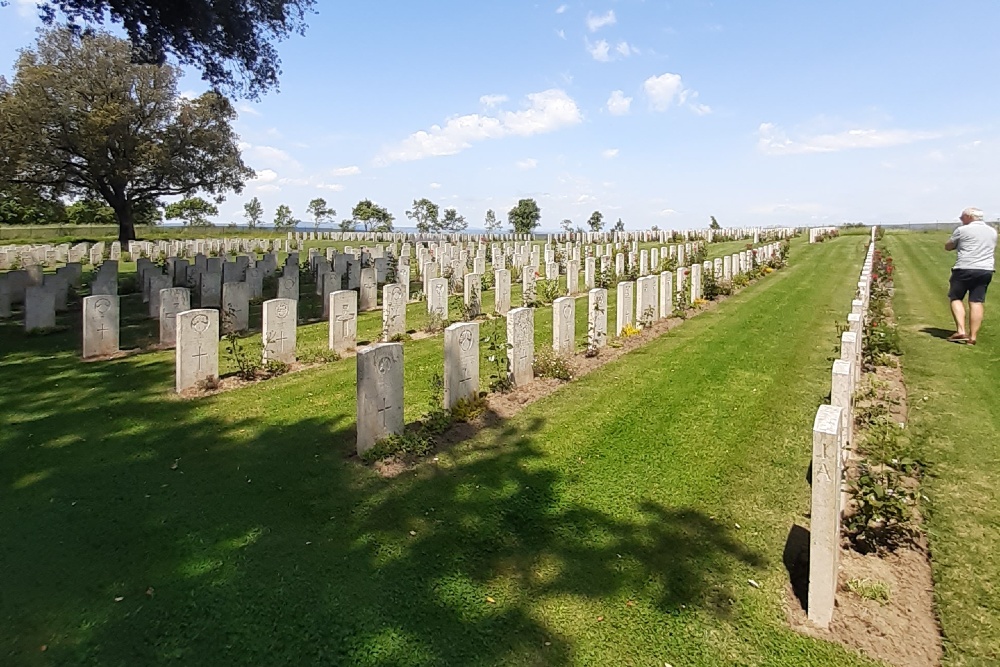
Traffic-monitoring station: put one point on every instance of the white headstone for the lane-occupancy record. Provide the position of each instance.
(474, 294)
(461, 362)
(197, 352)
(564, 325)
(280, 318)
(521, 345)
(501, 280)
(172, 301)
(235, 307)
(597, 318)
(824, 528)
(380, 393)
(100, 326)
(624, 307)
(393, 311)
(437, 297)
(343, 320)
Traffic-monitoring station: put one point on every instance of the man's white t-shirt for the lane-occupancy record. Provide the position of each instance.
(976, 243)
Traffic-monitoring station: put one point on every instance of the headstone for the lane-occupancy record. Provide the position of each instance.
(157, 283)
(646, 302)
(623, 309)
(210, 289)
(343, 320)
(280, 318)
(461, 363)
(824, 526)
(368, 297)
(589, 273)
(393, 311)
(5, 297)
(695, 282)
(197, 352)
(100, 326)
(288, 286)
(666, 294)
(501, 281)
(521, 345)
(474, 294)
(380, 393)
(597, 318)
(235, 307)
(255, 280)
(172, 301)
(39, 309)
(528, 289)
(564, 325)
(437, 297)
(572, 277)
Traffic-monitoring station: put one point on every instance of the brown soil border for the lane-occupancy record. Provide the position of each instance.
(905, 630)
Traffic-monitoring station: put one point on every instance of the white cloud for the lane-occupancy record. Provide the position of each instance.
(625, 49)
(561, 9)
(435, 186)
(544, 112)
(773, 209)
(243, 107)
(701, 109)
(353, 170)
(270, 187)
(490, 101)
(561, 33)
(270, 156)
(666, 212)
(189, 94)
(618, 104)
(335, 187)
(599, 51)
(266, 176)
(595, 22)
(665, 90)
(527, 163)
(772, 140)
(609, 153)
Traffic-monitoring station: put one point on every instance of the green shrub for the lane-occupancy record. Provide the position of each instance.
(548, 364)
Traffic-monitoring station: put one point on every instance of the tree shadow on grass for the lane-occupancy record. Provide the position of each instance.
(236, 539)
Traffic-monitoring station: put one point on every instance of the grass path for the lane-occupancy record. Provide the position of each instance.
(599, 526)
(957, 430)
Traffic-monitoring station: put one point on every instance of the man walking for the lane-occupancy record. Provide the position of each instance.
(976, 243)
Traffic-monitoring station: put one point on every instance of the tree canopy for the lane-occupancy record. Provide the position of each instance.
(320, 212)
(193, 211)
(425, 215)
(374, 217)
(81, 119)
(525, 217)
(230, 41)
(452, 222)
(619, 226)
(596, 221)
(253, 211)
(492, 224)
(714, 224)
(283, 217)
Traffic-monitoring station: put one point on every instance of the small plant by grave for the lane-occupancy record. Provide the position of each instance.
(247, 357)
(495, 344)
(870, 589)
(435, 323)
(592, 349)
(647, 317)
(467, 409)
(548, 364)
(629, 330)
(547, 291)
(317, 355)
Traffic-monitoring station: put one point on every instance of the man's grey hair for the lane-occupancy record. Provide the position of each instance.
(973, 213)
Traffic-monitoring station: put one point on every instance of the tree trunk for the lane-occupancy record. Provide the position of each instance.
(126, 221)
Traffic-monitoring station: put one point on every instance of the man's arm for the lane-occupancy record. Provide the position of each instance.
(952, 242)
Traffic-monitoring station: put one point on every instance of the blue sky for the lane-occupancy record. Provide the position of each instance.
(759, 113)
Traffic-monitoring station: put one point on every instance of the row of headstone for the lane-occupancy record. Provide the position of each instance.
(832, 443)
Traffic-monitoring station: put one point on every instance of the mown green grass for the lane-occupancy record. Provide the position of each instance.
(598, 526)
(954, 395)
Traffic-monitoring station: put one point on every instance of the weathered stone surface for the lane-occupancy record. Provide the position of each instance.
(572, 277)
(393, 311)
(437, 297)
(666, 294)
(474, 294)
(255, 281)
(624, 314)
(368, 296)
(280, 318)
(380, 393)
(332, 282)
(521, 345)
(210, 289)
(343, 320)
(173, 300)
(597, 318)
(235, 307)
(157, 283)
(197, 351)
(528, 286)
(501, 280)
(564, 325)
(647, 304)
(824, 528)
(461, 362)
(39, 308)
(288, 286)
(100, 326)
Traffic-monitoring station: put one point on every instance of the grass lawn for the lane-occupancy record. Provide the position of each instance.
(954, 395)
(598, 526)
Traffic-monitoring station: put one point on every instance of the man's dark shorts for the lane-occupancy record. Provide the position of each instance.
(971, 281)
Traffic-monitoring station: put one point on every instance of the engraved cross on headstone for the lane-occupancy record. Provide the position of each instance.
(199, 355)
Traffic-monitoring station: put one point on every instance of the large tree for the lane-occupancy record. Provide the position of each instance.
(230, 41)
(192, 211)
(596, 221)
(452, 222)
(320, 212)
(374, 217)
(20, 205)
(424, 214)
(283, 217)
(525, 216)
(253, 211)
(81, 119)
(492, 224)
